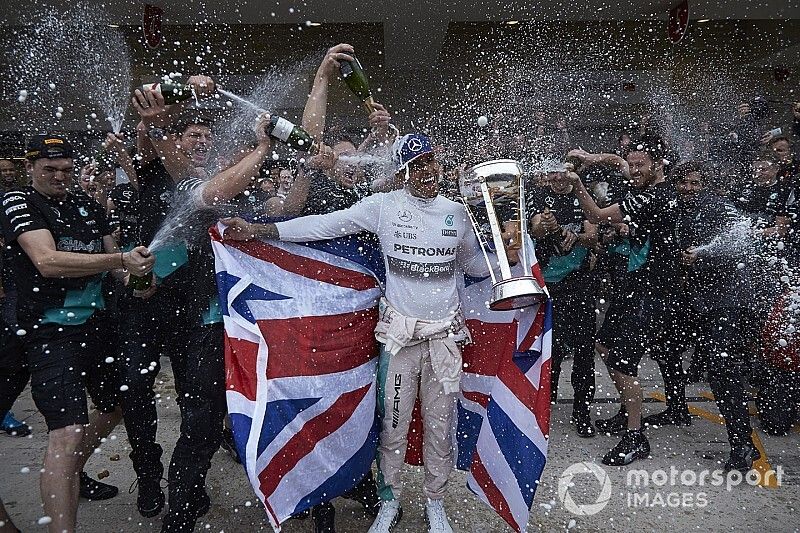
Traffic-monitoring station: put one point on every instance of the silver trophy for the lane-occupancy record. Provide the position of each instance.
(496, 186)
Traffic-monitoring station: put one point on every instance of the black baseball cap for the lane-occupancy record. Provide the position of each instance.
(192, 117)
(48, 147)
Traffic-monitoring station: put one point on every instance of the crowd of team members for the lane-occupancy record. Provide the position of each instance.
(623, 231)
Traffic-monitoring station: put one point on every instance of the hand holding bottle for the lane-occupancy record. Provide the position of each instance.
(262, 122)
(549, 221)
(329, 68)
(379, 121)
(150, 106)
(138, 261)
(203, 86)
(324, 159)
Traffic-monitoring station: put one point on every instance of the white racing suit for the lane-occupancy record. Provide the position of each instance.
(417, 357)
(427, 246)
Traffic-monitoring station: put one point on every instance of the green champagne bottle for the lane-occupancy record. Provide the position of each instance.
(353, 75)
(172, 91)
(140, 283)
(288, 133)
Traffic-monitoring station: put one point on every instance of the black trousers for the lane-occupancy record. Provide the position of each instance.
(152, 329)
(723, 338)
(14, 373)
(573, 328)
(668, 352)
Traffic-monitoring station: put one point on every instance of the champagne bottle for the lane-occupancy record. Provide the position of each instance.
(172, 91)
(288, 133)
(353, 75)
(140, 283)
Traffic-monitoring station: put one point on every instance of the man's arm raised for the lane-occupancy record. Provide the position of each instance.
(235, 179)
(156, 114)
(317, 104)
(594, 214)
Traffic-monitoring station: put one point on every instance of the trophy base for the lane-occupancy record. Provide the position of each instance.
(516, 293)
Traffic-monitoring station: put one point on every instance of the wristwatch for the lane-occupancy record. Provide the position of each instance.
(157, 134)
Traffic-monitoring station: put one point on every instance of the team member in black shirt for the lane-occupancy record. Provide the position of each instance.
(564, 242)
(721, 303)
(60, 245)
(170, 318)
(193, 331)
(763, 198)
(638, 317)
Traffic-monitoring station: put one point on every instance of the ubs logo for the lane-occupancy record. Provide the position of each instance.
(405, 235)
(404, 215)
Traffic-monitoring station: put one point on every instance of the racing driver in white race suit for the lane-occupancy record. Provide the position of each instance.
(427, 244)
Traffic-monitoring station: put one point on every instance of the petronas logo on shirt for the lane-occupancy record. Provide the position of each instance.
(83, 212)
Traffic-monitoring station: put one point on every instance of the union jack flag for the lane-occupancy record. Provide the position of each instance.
(301, 363)
(300, 359)
(503, 409)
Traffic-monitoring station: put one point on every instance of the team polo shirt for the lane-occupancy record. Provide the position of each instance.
(78, 224)
(652, 214)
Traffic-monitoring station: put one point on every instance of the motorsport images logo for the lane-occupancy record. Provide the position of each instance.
(664, 487)
(565, 484)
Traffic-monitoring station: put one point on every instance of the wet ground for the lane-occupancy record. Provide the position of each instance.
(673, 499)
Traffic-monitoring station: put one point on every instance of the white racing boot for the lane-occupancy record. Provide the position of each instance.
(389, 515)
(436, 517)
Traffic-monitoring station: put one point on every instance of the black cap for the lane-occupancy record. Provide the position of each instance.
(48, 147)
(192, 117)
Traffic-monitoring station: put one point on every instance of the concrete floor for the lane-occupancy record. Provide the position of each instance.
(678, 507)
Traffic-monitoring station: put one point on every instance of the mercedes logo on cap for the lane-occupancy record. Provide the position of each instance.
(415, 145)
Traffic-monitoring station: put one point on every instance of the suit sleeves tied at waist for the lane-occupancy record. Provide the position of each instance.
(397, 331)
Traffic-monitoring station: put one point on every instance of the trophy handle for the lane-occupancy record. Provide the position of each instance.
(500, 249)
(481, 240)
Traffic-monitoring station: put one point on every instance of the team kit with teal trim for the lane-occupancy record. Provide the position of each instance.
(569, 276)
(639, 316)
(178, 322)
(66, 330)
